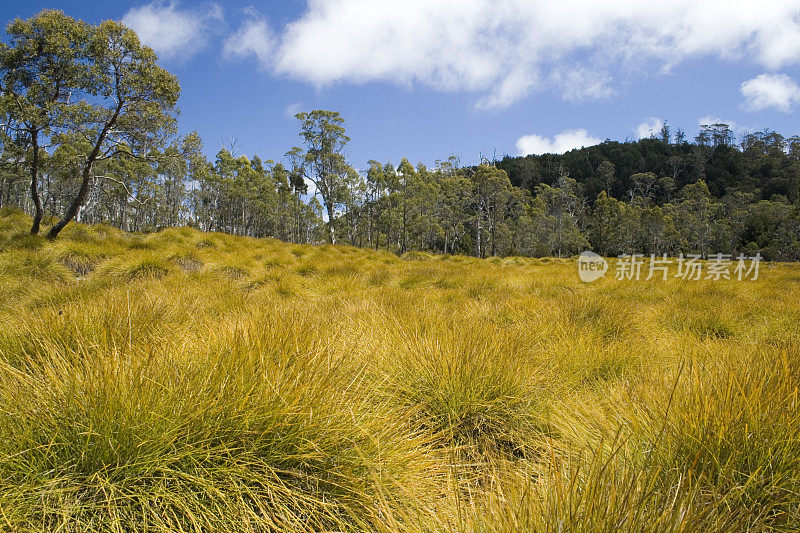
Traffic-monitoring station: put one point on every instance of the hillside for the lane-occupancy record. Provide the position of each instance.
(193, 381)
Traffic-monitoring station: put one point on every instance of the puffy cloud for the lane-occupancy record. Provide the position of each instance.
(254, 38)
(562, 142)
(648, 128)
(770, 90)
(172, 32)
(503, 51)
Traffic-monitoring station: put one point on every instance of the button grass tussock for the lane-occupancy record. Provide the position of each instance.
(189, 381)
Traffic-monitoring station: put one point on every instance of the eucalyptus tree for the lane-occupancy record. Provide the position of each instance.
(566, 204)
(455, 194)
(406, 176)
(63, 77)
(373, 194)
(298, 188)
(324, 163)
(40, 66)
(492, 194)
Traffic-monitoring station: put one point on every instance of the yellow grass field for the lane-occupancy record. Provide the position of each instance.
(182, 381)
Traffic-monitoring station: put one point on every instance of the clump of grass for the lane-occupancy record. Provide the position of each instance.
(187, 261)
(710, 327)
(22, 241)
(13, 220)
(81, 260)
(206, 242)
(233, 272)
(146, 268)
(599, 490)
(463, 396)
(417, 256)
(735, 428)
(601, 313)
(277, 261)
(287, 286)
(171, 237)
(306, 270)
(341, 270)
(379, 277)
(417, 277)
(36, 266)
(482, 288)
(224, 439)
(138, 243)
(704, 321)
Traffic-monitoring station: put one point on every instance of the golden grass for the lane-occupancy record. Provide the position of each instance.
(183, 381)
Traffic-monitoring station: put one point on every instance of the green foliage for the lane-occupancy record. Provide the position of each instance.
(89, 92)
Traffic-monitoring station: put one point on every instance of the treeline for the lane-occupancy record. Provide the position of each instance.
(88, 133)
(686, 197)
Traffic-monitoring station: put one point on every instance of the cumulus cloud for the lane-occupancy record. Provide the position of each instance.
(562, 142)
(778, 91)
(170, 31)
(648, 128)
(253, 38)
(503, 51)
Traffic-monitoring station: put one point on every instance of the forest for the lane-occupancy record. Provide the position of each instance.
(89, 133)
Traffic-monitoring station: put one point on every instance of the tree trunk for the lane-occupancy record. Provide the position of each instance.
(478, 250)
(86, 176)
(76, 203)
(37, 201)
(331, 231)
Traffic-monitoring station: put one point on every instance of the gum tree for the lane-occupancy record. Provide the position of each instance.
(63, 78)
(39, 69)
(323, 161)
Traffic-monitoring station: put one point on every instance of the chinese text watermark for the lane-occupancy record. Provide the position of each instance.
(690, 267)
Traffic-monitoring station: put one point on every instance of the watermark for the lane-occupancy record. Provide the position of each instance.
(691, 267)
(591, 267)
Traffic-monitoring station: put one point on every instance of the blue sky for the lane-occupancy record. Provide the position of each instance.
(427, 79)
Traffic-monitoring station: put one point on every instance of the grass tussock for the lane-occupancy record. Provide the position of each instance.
(182, 381)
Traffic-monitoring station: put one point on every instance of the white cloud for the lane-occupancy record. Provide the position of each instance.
(253, 38)
(648, 128)
(172, 32)
(770, 90)
(562, 142)
(503, 51)
(293, 109)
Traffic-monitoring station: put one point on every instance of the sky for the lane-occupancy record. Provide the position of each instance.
(426, 79)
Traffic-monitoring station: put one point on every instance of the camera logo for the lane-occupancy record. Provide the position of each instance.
(591, 267)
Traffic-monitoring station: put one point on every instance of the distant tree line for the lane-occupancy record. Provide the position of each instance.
(666, 194)
(88, 133)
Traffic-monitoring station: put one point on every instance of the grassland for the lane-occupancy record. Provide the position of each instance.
(182, 381)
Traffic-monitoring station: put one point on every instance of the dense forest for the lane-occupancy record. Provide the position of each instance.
(89, 134)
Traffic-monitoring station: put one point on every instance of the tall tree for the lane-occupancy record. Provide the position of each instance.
(63, 77)
(40, 68)
(325, 165)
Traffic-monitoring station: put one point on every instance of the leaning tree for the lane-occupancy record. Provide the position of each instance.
(96, 87)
